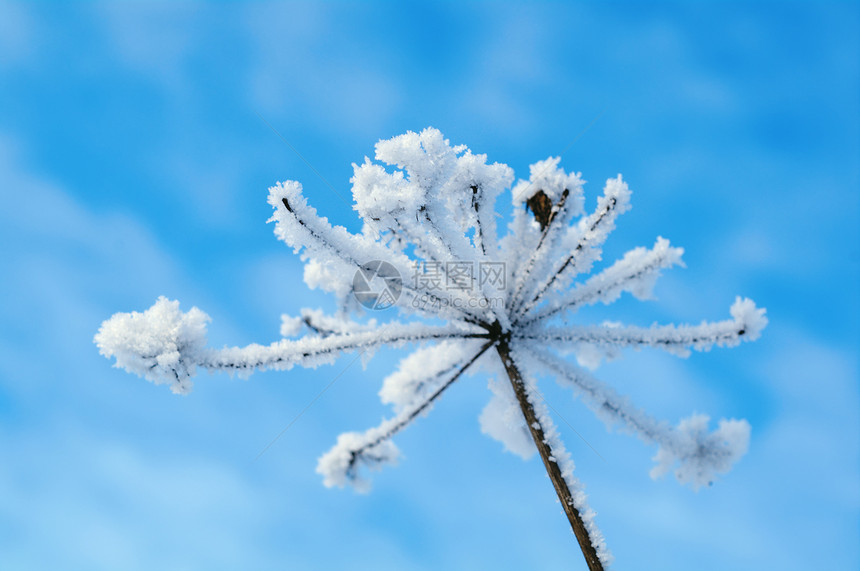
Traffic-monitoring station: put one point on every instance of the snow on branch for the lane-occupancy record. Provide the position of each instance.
(372, 449)
(298, 224)
(323, 325)
(636, 272)
(418, 375)
(161, 344)
(426, 197)
(165, 346)
(556, 197)
(546, 435)
(746, 325)
(334, 252)
(314, 351)
(700, 455)
(423, 204)
(584, 245)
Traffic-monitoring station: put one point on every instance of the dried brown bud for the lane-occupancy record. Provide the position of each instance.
(541, 207)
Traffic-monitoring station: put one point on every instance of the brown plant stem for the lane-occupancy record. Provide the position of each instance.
(546, 453)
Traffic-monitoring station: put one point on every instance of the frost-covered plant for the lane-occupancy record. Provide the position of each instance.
(436, 208)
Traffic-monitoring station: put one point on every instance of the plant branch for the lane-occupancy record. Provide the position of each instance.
(546, 454)
(391, 427)
(546, 214)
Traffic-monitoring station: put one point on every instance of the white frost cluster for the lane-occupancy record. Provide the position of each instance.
(341, 465)
(162, 344)
(701, 455)
(425, 202)
(546, 176)
(502, 419)
(414, 378)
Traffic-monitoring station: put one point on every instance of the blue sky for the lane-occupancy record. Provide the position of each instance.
(134, 161)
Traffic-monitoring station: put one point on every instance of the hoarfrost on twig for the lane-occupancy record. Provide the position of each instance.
(427, 204)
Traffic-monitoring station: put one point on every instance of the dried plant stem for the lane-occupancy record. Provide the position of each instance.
(546, 453)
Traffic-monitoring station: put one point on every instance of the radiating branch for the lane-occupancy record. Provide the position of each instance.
(341, 464)
(418, 374)
(298, 225)
(433, 255)
(635, 272)
(553, 219)
(314, 351)
(746, 323)
(593, 231)
(699, 454)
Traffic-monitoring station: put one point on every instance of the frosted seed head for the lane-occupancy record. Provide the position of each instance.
(699, 455)
(751, 319)
(425, 156)
(162, 344)
(380, 196)
(546, 177)
(341, 465)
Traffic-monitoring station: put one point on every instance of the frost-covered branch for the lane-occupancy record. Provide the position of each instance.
(557, 461)
(422, 204)
(342, 253)
(418, 375)
(636, 272)
(554, 197)
(590, 235)
(746, 325)
(299, 225)
(555, 221)
(166, 346)
(323, 325)
(699, 455)
(464, 289)
(373, 448)
(315, 351)
(479, 207)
